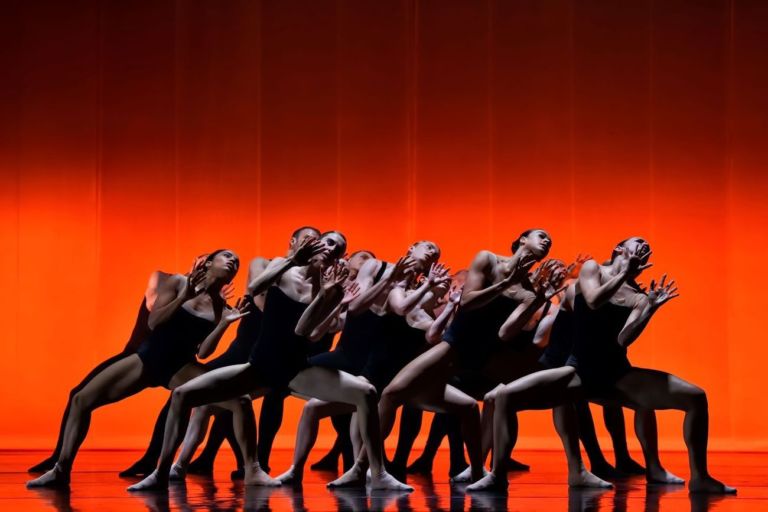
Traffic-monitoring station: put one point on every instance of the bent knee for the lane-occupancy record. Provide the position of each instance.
(81, 402)
(695, 396)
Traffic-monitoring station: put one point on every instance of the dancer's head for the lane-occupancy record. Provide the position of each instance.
(629, 246)
(536, 242)
(356, 261)
(300, 234)
(424, 254)
(334, 245)
(222, 264)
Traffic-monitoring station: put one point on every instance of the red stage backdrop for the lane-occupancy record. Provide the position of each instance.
(135, 135)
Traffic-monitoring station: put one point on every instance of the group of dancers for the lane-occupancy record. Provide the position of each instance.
(516, 332)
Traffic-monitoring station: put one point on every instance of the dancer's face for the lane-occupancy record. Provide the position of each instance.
(636, 243)
(224, 265)
(537, 242)
(334, 246)
(424, 253)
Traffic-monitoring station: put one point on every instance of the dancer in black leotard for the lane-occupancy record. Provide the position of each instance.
(559, 344)
(301, 296)
(237, 352)
(188, 319)
(611, 313)
(395, 341)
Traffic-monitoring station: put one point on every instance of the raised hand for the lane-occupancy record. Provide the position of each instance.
(520, 269)
(227, 292)
(403, 265)
(637, 260)
(438, 274)
(335, 275)
(193, 286)
(454, 295)
(351, 292)
(573, 269)
(661, 293)
(239, 311)
(308, 248)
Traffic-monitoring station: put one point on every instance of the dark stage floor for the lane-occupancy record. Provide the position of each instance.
(95, 486)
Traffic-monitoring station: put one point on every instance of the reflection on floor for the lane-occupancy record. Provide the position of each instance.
(95, 486)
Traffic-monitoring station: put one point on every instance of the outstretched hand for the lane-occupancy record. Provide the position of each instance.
(637, 259)
(308, 248)
(351, 292)
(661, 293)
(574, 268)
(238, 312)
(192, 287)
(520, 269)
(454, 295)
(334, 276)
(438, 275)
(403, 265)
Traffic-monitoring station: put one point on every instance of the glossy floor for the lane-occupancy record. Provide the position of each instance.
(96, 487)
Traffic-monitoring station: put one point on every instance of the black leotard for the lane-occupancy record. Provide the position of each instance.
(599, 359)
(141, 330)
(172, 344)
(360, 333)
(474, 333)
(399, 344)
(247, 333)
(279, 354)
(560, 340)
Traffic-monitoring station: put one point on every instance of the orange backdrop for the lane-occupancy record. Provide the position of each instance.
(135, 135)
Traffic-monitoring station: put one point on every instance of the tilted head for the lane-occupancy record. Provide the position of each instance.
(630, 246)
(535, 241)
(424, 253)
(222, 264)
(301, 234)
(335, 245)
(356, 261)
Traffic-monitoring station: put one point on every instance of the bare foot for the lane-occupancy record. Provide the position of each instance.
(153, 482)
(489, 482)
(177, 473)
(355, 477)
(259, 477)
(707, 485)
(468, 476)
(662, 476)
(386, 482)
(292, 476)
(55, 477)
(586, 479)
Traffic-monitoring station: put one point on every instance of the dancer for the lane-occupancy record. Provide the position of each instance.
(188, 319)
(612, 310)
(302, 293)
(558, 343)
(404, 330)
(237, 352)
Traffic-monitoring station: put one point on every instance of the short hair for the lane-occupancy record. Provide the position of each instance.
(215, 253)
(343, 246)
(516, 243)
(298, 231)
(360, 252)
(439, 252)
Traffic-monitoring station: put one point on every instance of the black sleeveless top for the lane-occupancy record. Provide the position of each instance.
(474, 333)
(279, 353)
(141, 330)
(560, 340)
(358, 337)
(398, 345)
(247, 333)
(173, 344)
(597, 355)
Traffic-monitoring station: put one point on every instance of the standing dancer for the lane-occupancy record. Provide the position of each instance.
(611, 313)
(404, 330)
(301, 294)
(188, 319)
(467, 344)
(237, 352)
